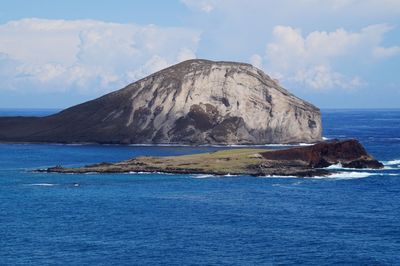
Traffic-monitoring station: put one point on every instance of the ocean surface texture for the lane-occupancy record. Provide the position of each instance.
(350, 218)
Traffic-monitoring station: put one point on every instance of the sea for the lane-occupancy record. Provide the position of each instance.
(349, 218)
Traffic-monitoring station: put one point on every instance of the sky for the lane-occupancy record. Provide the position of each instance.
(332, 53)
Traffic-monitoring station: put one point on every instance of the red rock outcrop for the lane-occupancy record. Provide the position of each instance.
(349, 153)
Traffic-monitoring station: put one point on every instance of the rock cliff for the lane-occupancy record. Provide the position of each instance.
(348, 153)
(193, 102)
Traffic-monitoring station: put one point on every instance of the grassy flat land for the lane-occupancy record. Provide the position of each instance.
(225, 161)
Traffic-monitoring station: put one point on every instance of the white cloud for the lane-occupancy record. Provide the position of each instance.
(366, 7)
(203, 5)
(382, 52)
(185, 54)
(308, 59)
(322, 77)
(392, 6)
(87, 55)
(256, 60)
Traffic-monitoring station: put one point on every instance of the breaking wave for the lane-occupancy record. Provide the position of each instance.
(279, 176)
(42, 184)
(351, 175)
(149, 173)
(345, 175)
(203, 176)
(392, 162)
(340, 167)
(335, 166)
(222, 145)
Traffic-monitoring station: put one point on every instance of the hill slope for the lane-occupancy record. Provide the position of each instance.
(193, 102)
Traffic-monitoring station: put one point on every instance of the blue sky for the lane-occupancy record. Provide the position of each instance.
(333, 53)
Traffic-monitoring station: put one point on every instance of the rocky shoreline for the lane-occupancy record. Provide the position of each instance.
(305, 161)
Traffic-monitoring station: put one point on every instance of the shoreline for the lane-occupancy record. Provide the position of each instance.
(166, 144)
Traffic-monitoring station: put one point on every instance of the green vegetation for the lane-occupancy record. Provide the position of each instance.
(225, 161)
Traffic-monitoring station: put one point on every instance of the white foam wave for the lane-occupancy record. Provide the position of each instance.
(392, 162)
(139, 173)
(222, 145)
(345, 175)
(259, 145)
(160, 145)
(335, 166)
(228, 175)
(325, 138)
(149, 173)
(306, 144)
(43, 184)
(289, 145)
(202, 176)
(279, 176)
(386, 168)
(340, 167)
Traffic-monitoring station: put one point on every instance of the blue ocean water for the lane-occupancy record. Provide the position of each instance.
(352, 218)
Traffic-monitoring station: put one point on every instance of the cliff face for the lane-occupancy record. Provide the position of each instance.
(194, 102)
(348, 153)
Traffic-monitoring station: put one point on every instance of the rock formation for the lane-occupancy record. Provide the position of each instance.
(348, 153)
(194, 102)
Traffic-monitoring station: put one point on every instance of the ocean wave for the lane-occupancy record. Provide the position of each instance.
(392, 162)
(340, 167)
(160, 145)
(229, 175)
(281, 145)
(352, 175)
(224, 145)
(325, 138)
(345, 175)
(202, 176)
(279, 176)
(210, 175)
(42, 184)
(386, 168)
(335, 166)
(148, 173)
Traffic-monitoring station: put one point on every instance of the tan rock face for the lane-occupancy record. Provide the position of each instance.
(194, 102)
(201, 101)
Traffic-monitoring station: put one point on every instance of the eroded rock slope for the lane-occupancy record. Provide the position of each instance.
(194, 102)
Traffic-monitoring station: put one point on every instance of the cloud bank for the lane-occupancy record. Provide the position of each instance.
(308, 59)
(306, 44)
(86, 55)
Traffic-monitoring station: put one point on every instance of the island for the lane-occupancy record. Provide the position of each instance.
(304, 161)
(195, 102)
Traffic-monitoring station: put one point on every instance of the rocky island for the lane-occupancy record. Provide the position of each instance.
(298, 161)
(194, 102)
